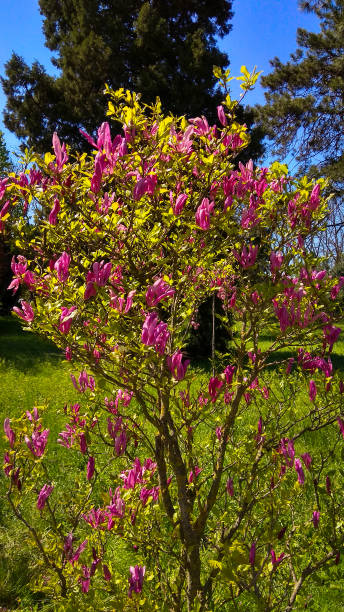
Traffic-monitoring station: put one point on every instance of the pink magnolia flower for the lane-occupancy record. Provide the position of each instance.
(203, 214)
(27, 313)
(233, 141)
(291, 449)
(99, 169)
(214, 386)
(249, 218)
(331, 334)
(316, 518)
(341, 425)
(90, 290)
(276, 260)
(247, 257)
(145, 494)
(106, 572)
(194, 473)
(299, 470)
(9, 432)
(96, 517)
(336, 289)
(68, 549)
(121, 304)
(60, 152)
(218, 433)
(120, 443)
(43, 496)
(85, 581)
(123, 396)
(179, 204)
(160, 290)
(255, 297)
(265, 392)
(201, 125)
(90, 468)
(83, 443)
(149, 329)
(289, 365)
(66, 437)
(288, 451)
(155, 333)
(312, 390)
(176, 366)
(221, 115)
(104, 137)
(8, 469)
(133, 476)
(281, 533)
(21, 273)
(229, 487)
(38, 441)
(54, 212)
(283, 315)
(229, 372)
(145, 185)
(61, 266)
(66, 319)
(117, 507)
(85, 382)
(97, 276)
(3, 212)
(68, 544)
(260, 425)
(136, 579)
(276, 561)
(100, 273)
(34, 416)
(3, 183)
(314, 197)
(248, 398)
(307, 460)
(8, 466)
(252, 556)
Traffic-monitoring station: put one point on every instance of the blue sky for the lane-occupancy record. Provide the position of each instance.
(262, 29)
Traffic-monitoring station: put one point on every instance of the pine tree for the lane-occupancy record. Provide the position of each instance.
(304, 111)
(156, 47)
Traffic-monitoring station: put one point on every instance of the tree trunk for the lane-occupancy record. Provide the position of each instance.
(193, 573)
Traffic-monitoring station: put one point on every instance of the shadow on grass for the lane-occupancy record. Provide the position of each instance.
(23, 349)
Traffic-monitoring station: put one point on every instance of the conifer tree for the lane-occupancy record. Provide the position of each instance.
(304, 111)
(157, 47)
(5, 162)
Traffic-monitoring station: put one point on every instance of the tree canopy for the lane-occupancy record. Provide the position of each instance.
(162, 47)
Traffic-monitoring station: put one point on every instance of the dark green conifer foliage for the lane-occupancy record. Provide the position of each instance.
(156, 47)
(305, 97)
(5, 162)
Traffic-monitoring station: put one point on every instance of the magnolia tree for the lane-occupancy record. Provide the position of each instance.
(189, 490)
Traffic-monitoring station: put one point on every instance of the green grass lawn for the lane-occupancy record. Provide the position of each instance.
(32, 373)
